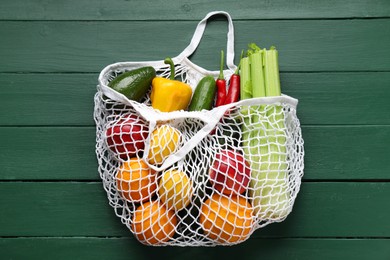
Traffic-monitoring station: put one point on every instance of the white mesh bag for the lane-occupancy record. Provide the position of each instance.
(197, 178)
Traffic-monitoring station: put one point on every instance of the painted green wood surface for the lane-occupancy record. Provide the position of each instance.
(328, 209)
(305, 45)
(128, 249)
(324, 98)
(183, 10)
(334, 58)
(68, 153)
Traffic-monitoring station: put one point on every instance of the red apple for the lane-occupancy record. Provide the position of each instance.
(127, 136)
(230, 172)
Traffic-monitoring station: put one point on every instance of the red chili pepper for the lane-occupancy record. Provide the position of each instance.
(233, 94)
(221, 86)
(234, 89)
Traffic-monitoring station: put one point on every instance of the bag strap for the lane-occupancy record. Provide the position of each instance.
(211, 119)
(199, 33)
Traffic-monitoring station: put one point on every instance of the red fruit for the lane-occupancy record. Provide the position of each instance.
(127, 136)
(230, 172)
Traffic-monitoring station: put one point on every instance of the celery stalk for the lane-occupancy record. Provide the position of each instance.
(256, 146)
(257, 74)
(271, 73)
(274, 191)
(245, 79)
(245, 93)
(266, 141)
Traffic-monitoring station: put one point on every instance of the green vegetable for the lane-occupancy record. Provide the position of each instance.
(245, 79)
(134, 84)
(203, 97)
(263, 136)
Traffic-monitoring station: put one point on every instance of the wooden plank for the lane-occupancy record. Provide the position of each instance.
(67, 99)
(57, 209)
(65, 153)
(81, 209)
(68, 153)
(340, 98)
(184, 10)
(47, 99)
(125, 248)
(344, 153)
(305, 45)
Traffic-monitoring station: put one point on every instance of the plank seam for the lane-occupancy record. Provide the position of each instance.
(265, 237)
(96, 181)
(197, 20)
(282, 72)
(302, 125)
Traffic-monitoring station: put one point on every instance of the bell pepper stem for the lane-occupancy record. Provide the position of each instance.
(172, 65)
(221, 76)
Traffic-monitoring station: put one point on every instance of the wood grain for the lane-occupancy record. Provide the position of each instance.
(184, 10)
(68, 153)
(343, 153)
(68, 209)
(334, 58)
(305, 45)
(48, 153)
(47, 99)
(129, 249)
(358, 98)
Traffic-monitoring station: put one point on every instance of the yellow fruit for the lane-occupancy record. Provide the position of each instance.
(153, 223)
(135, 181)
(175, 189)
(226, 220)
(164, 141)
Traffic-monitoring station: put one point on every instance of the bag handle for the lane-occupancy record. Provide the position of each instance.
(199, 33)
(211, 119)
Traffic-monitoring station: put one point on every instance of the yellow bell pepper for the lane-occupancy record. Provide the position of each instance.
(170, 94)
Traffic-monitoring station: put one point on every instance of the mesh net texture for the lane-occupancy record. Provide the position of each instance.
(172, 185)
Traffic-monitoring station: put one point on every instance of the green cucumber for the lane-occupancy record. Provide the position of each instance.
(134, 84)
(203, 97)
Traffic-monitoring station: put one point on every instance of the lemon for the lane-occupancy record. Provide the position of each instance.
(175, 189)
(163, 142)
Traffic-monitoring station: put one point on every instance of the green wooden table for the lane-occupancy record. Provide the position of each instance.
(334, 58)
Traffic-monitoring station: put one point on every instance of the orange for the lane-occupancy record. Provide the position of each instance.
(226, 219)
(135, 181)
(153, 223)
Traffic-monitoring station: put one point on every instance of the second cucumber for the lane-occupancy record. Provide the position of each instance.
(204, 94)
